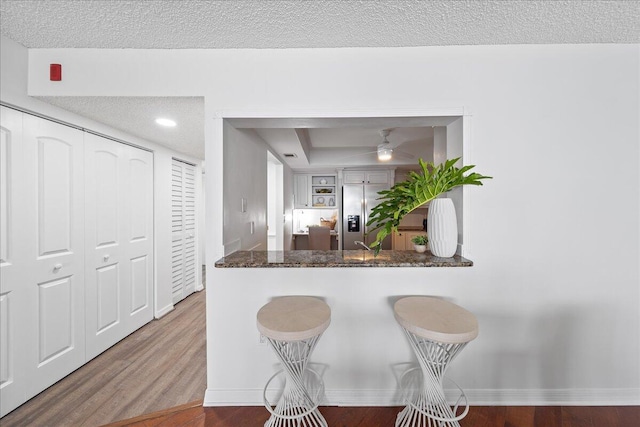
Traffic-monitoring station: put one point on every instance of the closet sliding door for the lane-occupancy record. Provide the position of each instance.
(54, 275)
(41, 255)
(76, 250)
(13, 255)
(183, 230)
(119, 242)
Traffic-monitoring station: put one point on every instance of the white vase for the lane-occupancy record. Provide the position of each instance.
(442, 228)
(420, 248)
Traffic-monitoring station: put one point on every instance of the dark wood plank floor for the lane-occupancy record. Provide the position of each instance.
(480, 416)
(161, 365)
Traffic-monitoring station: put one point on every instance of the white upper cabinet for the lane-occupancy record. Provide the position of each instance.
(377, 177)
(354, 177)
(366, 177)
(315, 191)
(301, 188)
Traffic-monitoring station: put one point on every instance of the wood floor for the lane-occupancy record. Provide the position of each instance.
(194, 415)
(159, 366)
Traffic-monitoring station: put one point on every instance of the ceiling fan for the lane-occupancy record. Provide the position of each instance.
(386, 152)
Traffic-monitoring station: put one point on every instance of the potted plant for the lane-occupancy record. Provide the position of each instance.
(418, 189)
(420, 243)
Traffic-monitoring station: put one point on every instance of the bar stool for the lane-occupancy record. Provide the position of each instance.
(293, 325)
(437, 331)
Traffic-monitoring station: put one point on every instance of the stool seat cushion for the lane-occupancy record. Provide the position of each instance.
(293, 318)
(436, 319)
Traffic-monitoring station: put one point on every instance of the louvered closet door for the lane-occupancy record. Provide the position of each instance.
(118, 269)
(13, 343)
(183, 230)
(54, 279)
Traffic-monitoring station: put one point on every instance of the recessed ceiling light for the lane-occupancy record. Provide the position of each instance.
(165, 122)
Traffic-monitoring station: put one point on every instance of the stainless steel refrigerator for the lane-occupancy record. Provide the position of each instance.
(357, 202)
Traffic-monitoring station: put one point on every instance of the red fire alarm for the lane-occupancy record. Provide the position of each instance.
(55, 72)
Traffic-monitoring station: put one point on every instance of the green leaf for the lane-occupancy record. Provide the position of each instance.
(419, 188)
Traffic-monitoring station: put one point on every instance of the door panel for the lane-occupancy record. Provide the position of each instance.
(106, 178)
(177, 230)
(189, 210)
(140, 199)
(54, 277)
(55, 314)
(139, 237)
(6, 357)
(108, 297)
(13, 342)
(55, 195)
(139, 284)
(6, 187)
(119, 228)
(183, 230)
(104, 274)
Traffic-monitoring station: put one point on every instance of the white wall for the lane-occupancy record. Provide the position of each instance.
(455, 142)
(555, 280)
(13, 90)
(287, 192)
(245, 175)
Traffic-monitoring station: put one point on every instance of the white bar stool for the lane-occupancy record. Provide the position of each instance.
(293, 325)
(437, 330)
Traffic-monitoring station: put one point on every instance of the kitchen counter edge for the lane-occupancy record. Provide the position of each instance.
(337, 259)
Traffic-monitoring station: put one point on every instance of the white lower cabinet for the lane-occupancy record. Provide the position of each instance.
(76, 249)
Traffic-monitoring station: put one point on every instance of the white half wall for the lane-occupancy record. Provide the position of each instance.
(555, 236)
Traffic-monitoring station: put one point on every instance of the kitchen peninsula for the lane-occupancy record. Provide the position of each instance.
(363, 343)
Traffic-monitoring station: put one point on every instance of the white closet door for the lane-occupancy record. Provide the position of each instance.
(119, 188)
(183, 230)
(53, 159)
(139, 237)
(189, 212)
(13, 343)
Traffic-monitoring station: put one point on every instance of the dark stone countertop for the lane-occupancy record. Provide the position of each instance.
(337, 259)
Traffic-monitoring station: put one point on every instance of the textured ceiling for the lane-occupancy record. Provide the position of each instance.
(136, 116)
(261, 24)
(320, 23)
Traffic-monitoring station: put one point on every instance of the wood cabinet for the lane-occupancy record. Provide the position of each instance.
(399, 241)
(315, 191)
(402, 239)
(366, 177)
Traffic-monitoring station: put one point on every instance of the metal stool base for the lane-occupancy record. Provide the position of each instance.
(296, 406)
(429, 408)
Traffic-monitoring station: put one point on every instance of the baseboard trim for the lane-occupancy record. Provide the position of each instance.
(163, 311)
(555, 397)
(477, 397)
